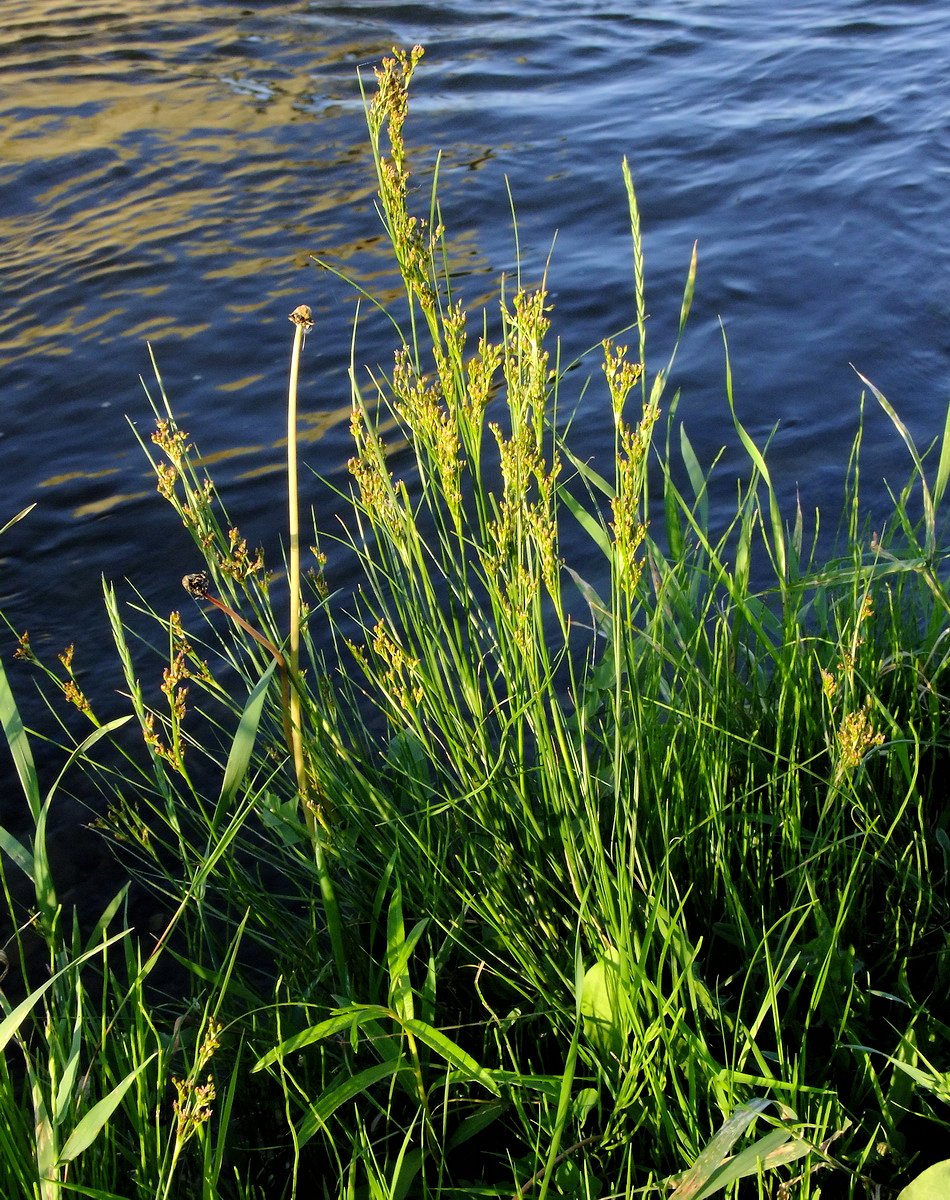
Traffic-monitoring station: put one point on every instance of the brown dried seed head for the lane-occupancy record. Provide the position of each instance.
(303, 316)
(196, 585)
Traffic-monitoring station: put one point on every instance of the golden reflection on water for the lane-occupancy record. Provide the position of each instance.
(168, 171)
(313, 426)
(150, 137)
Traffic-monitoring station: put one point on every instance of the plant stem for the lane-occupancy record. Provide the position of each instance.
(303, 322)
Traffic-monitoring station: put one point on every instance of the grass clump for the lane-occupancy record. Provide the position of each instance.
(504, 874)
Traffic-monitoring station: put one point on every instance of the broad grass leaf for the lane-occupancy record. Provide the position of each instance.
(17, 852)
(453, 1054)
(943, 467)
(24, 512)
(349, 1019)
(672, 503)
(399, 950)
(932, 1184)
(67, 1083)
(688, 290)
(694, 1183)
(589, 523)
(601, 617)
(19, 745)
(15, 1018)
(349, 1087)
(42, 877)
(95, 1119)
(929, 518)
(485, 1115)
(766, 1154)
(105, 919)
(758, 461)
(697, 479)
(242, 747)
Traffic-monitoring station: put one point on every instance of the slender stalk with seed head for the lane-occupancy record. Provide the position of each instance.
(303, 322)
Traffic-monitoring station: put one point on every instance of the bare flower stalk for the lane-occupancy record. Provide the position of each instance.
(198, 585)
(303, 323)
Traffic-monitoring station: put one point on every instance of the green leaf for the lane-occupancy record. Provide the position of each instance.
(601, 617)
(105, 919)
(943, 467)
(929, 518)
(399, 949)
(19, 745)
(672, 502)
(592, 478)
(710, 1161)
(349, 1018)
(604, 1005)
(19, 517)
(589, 523)
(64, 1093)
(243, 745)
(347, 1089)
(18, 852)
(932, 1184)
(471, 1126)
(453, 1054)
(42, 877)
(92, 1123)
(773, 1150)
(15, 1018)
(688, 290)
(697, 479)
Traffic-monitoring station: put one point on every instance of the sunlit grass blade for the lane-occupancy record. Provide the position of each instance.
(93, 1122)
(19, 744)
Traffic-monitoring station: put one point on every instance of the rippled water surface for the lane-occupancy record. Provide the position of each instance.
(167, 173)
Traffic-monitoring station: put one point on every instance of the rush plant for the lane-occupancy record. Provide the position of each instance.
(581, 849)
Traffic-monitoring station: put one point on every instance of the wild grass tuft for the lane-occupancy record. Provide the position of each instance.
(562, 856)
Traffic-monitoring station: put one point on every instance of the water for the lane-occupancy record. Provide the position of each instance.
(167, 173)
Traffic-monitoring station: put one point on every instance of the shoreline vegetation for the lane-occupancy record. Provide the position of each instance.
(500, 875)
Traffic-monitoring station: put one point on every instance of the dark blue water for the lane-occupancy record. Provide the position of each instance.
(166, 175)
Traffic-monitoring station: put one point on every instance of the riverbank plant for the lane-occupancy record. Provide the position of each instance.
(511, 870)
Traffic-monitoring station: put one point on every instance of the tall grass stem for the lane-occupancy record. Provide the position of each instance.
(303, 322)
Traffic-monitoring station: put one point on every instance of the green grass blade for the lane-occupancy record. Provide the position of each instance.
(587, 522)
(758, 461)
(688, 291)
(19, 517)
(348, 1088)
(943, 467)
(42, 876)
(19, 744)
(712, 1157)
(242, 747)
(399, 949)
(10, 1025)
(350, 1018)
(696, 477)
(929, 518)
(17, 852)
(95, 1119)
(766, 1154)
(453, 1054)
(67, 1083)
